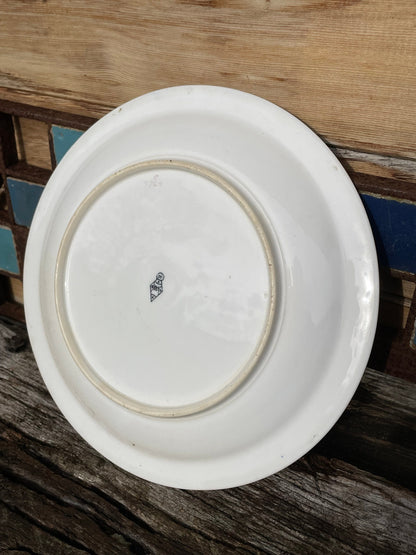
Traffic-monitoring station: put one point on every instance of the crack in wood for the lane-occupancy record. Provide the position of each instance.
(51, 531)
(320, 502)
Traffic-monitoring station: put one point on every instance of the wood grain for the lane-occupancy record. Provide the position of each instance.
(345, 67)
(16, 289)
(59, 495)
(398, 169)
(33, 174)
(32, 141)
(396, 297)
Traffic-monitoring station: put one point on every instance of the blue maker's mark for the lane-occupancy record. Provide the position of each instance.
(156, 287)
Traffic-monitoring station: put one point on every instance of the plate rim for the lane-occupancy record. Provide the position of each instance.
(76, 414)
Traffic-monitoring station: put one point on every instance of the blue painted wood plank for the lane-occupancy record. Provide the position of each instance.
(8, 256)
(63, 138)
(394, 227)
(25, 197)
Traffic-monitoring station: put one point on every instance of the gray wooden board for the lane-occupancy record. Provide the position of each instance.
(58, 495)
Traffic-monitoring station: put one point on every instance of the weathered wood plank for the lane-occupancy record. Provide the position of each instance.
(32, 141)
(16, 289)
(24, 536)
(58, 488)
(376, 165)
(378, 430)
(399, 173)
(33, 174)
(400, 169)
(46, 115)
(344, 67)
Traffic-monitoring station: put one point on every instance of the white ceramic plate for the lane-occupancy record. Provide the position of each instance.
(201, 287)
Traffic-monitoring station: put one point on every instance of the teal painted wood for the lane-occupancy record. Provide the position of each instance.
(25, 197)
(8, 257)
(63, 138)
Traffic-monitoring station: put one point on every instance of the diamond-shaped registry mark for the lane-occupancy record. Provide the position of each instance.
(156, 287)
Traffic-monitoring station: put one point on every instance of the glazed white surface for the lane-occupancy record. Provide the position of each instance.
(327, 288)
(179, 345)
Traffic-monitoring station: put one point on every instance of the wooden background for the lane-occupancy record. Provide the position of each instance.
(352, 494)
(345, 67)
